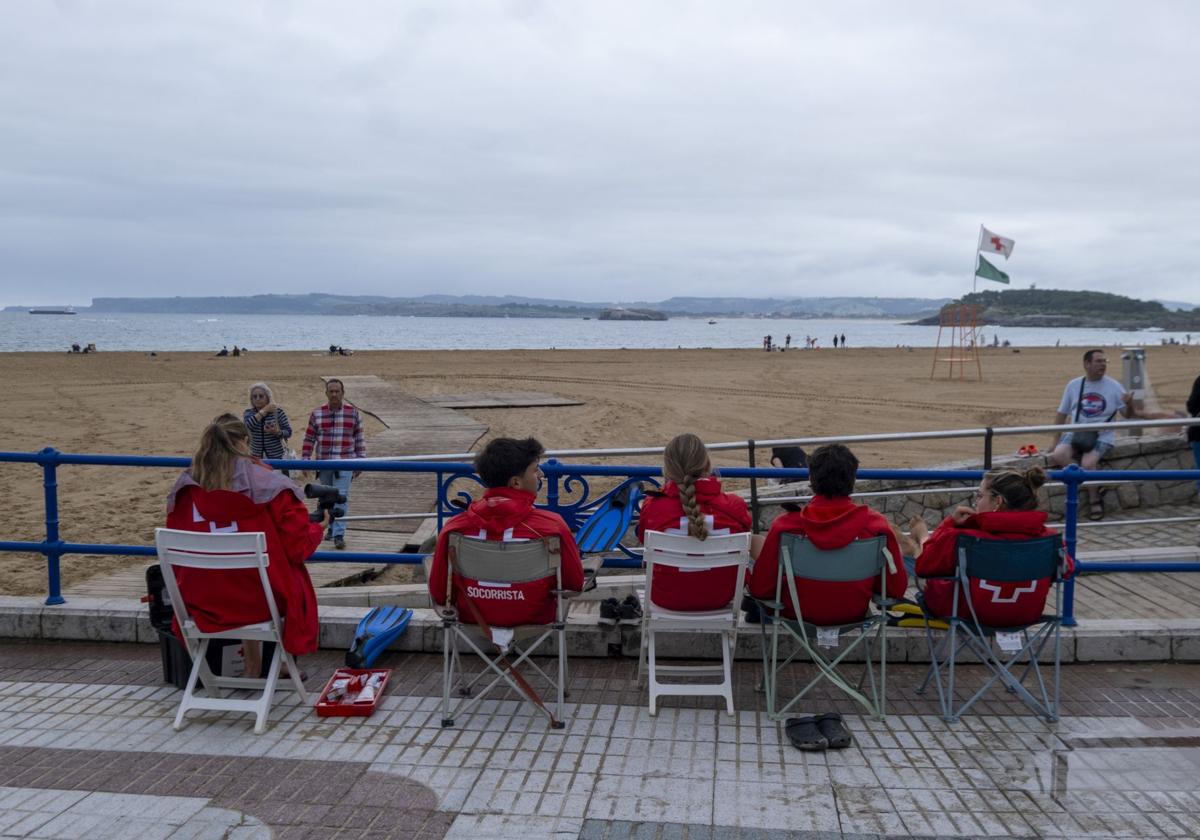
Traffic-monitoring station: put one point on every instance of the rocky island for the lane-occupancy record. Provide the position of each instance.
(632, 315)
(1060, 308)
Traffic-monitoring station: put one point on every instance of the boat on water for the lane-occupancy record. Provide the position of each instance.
(53, 310)
(711, 321)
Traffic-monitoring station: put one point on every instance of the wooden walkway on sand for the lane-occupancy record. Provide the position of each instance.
(500, 399)
(414, 427)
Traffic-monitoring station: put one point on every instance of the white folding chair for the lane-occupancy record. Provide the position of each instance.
(689, 554)
(224, 552)
(501, 564)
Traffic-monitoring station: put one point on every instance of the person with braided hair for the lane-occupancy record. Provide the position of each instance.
(831, 520)
(692, 502)
(1005, 509)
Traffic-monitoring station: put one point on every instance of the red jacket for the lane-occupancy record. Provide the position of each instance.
(1000, 604)
(724, 513)
(829, 523)
(507, 514)
(222, 600)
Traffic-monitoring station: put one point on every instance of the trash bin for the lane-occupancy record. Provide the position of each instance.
(1133, 377)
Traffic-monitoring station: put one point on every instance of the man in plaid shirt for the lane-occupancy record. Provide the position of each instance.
(335, 431)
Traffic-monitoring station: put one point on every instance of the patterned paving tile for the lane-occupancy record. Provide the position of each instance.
(77, 720)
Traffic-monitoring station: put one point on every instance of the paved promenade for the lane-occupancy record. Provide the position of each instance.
(87, 750)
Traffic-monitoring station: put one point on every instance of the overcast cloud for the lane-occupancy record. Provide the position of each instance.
(595, 151)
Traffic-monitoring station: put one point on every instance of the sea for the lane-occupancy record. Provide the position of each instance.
(20, 331)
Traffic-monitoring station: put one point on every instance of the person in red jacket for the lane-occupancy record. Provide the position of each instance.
(691, 502)
(831, 520)
(224, 490)
(509, 469)
(1005, 509)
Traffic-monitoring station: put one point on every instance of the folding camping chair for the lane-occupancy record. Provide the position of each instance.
(1000, 562)
(225, 552)
(500, 564)
(690, 554)
(799, 558)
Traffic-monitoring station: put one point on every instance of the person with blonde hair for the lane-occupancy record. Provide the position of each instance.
(267, 423)
(1006, 508)
(226, 489)
(691, 502)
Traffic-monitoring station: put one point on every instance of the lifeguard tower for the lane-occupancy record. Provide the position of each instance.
(958, 342)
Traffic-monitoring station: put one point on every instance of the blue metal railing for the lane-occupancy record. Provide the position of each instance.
(568, 493)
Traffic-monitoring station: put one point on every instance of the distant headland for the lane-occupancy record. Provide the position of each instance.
(1007, 308)
(511, 306)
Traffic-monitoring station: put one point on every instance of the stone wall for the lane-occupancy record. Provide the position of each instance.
(1162, 452)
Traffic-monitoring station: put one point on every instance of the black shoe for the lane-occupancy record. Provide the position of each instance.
(328, 535)
(339, 543)
(750, 606)
(610, 611)
(631, 610)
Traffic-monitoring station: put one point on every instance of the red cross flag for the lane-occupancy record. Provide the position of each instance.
(991, 243)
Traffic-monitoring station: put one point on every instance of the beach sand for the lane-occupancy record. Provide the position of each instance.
(131, 403)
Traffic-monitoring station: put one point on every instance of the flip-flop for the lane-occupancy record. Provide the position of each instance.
(804, 734)
(834, 730)
(1096, 512)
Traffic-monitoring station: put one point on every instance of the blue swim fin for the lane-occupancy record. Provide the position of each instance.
(605, 527)
(377, 630)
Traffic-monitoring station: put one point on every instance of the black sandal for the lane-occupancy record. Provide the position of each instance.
(834, 731)
(1096, 512)
(804, 734)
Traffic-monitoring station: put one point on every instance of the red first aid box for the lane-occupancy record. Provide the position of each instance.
(345, 706)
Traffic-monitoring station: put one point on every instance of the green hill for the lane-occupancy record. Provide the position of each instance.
(1060, 308)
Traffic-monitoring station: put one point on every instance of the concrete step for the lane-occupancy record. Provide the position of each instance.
(127, 620)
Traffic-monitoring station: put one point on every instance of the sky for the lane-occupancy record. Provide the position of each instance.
(595, 151)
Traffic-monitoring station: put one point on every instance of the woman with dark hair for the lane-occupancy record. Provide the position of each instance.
(1005, 509)
(692, 502)
(226, 489)
(832, 520)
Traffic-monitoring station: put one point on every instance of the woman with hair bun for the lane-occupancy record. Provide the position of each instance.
(1005, 509)
(692, 502)
(225, 489)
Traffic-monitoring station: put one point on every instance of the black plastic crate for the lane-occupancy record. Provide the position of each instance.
(176, 661)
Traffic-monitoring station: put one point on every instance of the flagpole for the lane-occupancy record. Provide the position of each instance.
(975, 262)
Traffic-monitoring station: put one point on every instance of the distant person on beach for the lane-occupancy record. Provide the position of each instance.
(226, 489)
(692, 502)
(224, 351)
(835, 340)
(75, 348)
(510, 471)
(267, 424)
(335, 432)
(787, 341)
(1094, 397)
(843, 341)
(831, 520)
(236, 350)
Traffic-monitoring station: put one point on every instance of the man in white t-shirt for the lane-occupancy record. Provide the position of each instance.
(1091, 398)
